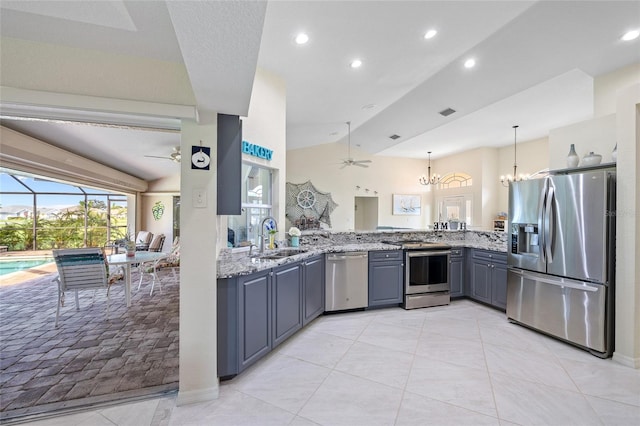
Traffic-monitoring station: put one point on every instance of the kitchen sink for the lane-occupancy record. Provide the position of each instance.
(279, 254)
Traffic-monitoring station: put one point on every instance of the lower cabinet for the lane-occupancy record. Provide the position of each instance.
(456, 272)
(488, 278)
(286, 301)
(254, 317)
(313, 288)
(386, 278)
(258, 312)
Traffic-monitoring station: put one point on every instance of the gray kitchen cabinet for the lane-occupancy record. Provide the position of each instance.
(312, 288)
(257, 312)
(287, 301)
(386, 278)
(499, 285)
(488, 277)
(229, 164)
(456, 272)
(254, 318)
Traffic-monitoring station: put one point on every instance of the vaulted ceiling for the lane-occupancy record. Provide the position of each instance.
(535, 66)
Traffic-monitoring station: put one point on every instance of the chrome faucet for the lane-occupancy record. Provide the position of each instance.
(264, 221)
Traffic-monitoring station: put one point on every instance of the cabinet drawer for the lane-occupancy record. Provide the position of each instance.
(457, 252)
(490, 256)
(385, 255)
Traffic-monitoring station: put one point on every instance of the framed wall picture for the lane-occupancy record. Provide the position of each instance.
(408, 205)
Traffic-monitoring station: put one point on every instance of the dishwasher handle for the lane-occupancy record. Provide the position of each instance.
(346, 256)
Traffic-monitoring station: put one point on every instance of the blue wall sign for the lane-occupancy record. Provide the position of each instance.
(256, 150)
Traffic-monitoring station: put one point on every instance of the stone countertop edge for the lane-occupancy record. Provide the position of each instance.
(233, 265)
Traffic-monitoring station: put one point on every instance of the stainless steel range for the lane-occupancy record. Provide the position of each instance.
(426, 274)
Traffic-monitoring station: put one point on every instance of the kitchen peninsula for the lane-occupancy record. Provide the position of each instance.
(266, 298)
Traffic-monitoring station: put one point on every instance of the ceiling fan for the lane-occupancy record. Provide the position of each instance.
(174, 156)
(350, 161)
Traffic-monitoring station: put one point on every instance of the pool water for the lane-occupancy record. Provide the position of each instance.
(9, 266)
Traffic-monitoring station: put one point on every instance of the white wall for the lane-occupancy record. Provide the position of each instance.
(266, 126)
(597, 135)
(162, 226)
(607, 87)
(628, 229)
(386, 175)
(198, 346)
(533, 156)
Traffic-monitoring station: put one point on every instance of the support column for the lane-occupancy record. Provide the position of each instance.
(198, 234)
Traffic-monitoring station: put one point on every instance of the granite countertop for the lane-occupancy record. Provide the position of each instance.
(235, 264)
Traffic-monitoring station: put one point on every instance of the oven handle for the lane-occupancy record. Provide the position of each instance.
(413, 253)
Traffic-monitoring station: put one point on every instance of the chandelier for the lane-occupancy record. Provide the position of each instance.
(505, 180)
(429, 179)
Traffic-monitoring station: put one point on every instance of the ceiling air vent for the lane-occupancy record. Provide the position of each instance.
(447, 112)
(394, 137)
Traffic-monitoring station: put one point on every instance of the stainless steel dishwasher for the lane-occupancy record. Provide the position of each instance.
(347, 281)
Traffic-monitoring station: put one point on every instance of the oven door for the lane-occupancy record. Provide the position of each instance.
(427, 271)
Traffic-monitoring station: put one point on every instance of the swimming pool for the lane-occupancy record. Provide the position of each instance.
(8, 266)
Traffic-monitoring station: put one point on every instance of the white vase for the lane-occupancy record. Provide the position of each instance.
(572, 158)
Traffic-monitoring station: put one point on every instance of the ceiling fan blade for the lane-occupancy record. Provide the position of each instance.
(344, 165)
(157, 156)
(360, 165)
(362, 161)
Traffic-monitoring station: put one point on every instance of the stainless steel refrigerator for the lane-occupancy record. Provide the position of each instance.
(561, 258)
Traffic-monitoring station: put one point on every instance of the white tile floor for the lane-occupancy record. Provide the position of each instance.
(462, 364)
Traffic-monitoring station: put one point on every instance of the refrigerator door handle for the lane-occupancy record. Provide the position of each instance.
(548, 224)
(542, 204)
(560, 282)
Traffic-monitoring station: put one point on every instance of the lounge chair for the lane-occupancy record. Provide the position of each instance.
(79, 269)
(143, 240)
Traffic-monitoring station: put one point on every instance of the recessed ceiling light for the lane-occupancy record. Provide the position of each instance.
(302, 38)
(470, 63)
(630, 35)
(356, 63)
(430, 34)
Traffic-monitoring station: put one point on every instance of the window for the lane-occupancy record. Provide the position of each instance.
(256, 205)
(456, 208)
(455, 180)
(37, 213)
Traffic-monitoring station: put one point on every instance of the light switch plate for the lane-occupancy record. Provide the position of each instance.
(199, 198)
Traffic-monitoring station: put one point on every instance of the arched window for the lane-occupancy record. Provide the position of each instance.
(455, 180)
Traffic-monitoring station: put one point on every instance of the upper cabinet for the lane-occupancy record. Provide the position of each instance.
(229, 159)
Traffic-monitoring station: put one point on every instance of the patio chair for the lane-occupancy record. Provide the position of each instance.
(143, 240)
(149, 268)
(79, 269)
(171, 261)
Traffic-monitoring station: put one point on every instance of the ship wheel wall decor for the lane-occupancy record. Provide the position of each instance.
(307, 207)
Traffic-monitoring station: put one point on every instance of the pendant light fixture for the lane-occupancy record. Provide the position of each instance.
(505, 180)
(429, 179)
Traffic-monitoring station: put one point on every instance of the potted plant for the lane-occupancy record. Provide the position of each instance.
(294, 233)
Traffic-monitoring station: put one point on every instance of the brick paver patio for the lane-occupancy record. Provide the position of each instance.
(91, 357)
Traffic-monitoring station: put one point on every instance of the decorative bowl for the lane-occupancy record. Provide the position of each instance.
(591, 159)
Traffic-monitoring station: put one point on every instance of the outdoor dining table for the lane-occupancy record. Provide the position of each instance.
(128, 261)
